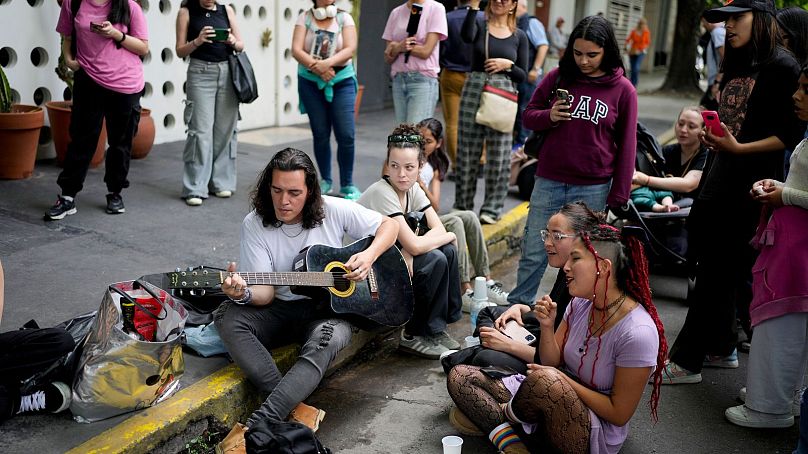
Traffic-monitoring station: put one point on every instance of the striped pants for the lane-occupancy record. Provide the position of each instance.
(471, 137)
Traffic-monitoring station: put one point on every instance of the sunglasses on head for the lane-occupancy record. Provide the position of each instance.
(405, 138)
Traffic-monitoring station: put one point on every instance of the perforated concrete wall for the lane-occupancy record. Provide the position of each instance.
(29, 52)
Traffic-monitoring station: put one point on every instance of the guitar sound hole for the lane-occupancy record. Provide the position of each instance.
(340, 283)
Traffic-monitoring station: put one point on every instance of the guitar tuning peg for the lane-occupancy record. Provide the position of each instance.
(190, 268)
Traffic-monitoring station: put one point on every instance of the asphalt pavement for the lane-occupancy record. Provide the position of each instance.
(382, 401)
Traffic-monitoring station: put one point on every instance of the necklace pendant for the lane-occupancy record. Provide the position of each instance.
(580, 349)
(207, 14)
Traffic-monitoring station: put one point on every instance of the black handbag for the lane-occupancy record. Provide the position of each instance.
(535, 140)
(241, 72)
(268, 436)
(417, 222)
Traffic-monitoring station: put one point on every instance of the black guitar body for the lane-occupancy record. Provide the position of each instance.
(384, 298)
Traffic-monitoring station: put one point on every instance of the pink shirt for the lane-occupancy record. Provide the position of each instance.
(115, 69)
(433, 20)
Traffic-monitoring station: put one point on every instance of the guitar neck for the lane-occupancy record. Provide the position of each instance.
(304, 279)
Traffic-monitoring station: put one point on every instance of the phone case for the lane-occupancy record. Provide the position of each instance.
(712, 122)
(518, 333)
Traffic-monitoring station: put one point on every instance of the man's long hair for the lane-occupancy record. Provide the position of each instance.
(288, 160)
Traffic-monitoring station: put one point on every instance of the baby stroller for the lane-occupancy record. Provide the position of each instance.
(667, 241)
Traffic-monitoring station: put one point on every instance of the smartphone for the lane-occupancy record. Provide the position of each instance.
(497, 372)
(563, 95)
(518, 332)
(221, 34)
(96, 25)
(712, 123)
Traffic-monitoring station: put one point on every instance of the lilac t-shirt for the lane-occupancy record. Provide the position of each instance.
(433, 20)
(115, 69)
(632, 342)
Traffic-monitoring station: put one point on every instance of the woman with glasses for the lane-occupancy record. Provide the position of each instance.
(590, 139)
(497, 349)
(499, 59)
(594, 366)
(414, 59)
(430, 251)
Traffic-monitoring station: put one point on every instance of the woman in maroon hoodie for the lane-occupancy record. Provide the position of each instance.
(590, 140)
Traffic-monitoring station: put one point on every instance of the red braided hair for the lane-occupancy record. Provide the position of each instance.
(632, 278)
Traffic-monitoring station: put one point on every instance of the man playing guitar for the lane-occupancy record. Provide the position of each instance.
(290, 214)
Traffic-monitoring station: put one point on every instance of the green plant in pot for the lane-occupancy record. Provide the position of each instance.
(19, 133)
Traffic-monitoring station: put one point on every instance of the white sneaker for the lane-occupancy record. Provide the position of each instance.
(423, 346)
(795, 401)
(468, 300)
(486, 218)
(746, 417)
(496, 295)
(193, 201)
(224, 194)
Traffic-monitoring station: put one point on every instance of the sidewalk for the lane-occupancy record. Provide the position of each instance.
(55, 271)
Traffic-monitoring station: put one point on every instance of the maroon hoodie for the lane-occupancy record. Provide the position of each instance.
(599, 143)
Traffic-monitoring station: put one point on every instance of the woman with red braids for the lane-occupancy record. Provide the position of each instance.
(594, 366)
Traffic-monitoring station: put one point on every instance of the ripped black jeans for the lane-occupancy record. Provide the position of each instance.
(250, 332)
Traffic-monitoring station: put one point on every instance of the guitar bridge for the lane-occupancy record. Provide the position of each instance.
(373, 285)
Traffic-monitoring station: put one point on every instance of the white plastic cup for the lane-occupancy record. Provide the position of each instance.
(471, 341)
(452, 444)
(480, 289)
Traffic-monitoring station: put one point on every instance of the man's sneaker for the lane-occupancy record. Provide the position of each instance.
(325, 186)
(486, 218)
(496, 294)
(307, 415)
(462, 423)
(673, 374)
(723, 362)
(193, 201)
(423, 346)
(52, 398)
(350, 192)
(62, 208)
(795, 401)
(223, 194)
(446, 340)
(234, 442)
(746, 417)
(468, 300)
(115, 204)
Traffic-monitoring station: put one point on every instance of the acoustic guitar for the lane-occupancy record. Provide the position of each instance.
(384, 297)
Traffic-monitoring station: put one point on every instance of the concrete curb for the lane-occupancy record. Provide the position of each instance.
(226, 396)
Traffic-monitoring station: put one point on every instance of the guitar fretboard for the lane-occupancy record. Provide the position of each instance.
(310, 279)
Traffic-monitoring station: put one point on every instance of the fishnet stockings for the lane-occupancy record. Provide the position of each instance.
(478, 396)
(546, 396)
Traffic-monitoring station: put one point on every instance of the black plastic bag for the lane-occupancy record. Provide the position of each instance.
(277, 437)
(241, 72)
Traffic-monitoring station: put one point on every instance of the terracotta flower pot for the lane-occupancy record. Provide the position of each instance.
(59, 116)
(19, 134)
(144, 139)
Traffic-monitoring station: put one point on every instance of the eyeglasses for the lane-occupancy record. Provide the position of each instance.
(405, 138)
(502, 1)
(555, 236)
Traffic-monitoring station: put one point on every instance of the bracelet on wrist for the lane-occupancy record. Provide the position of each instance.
(246, 299)
(119, 43)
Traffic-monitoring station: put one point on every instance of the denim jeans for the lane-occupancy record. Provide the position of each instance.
(636, 62)
(211, 113)
(414, 96)
(325, 116)
(547, 198)
(802, 443)
(526, 89)
(249, 332)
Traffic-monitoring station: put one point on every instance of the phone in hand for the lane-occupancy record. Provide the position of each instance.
(712, 122)
(563, 95)
(220, 34)
(96, 26)
(497, 372)
(518, 333)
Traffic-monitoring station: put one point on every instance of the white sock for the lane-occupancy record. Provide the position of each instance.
(68, 198)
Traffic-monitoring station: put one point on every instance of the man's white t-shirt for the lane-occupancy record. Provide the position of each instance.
(271, 249)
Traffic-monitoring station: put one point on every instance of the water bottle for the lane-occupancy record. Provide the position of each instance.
(479, 300)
